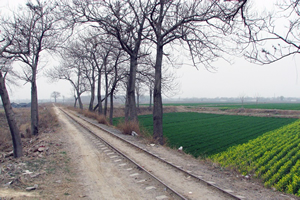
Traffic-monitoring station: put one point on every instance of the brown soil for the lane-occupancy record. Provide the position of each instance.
(243, 111)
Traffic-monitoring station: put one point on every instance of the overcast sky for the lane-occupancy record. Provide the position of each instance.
(230, 80)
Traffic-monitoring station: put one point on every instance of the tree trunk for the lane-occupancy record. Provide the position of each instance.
(100, 111)
(127, 103)
(106, 91)
(113, 87)
(34, 105)
(111, 110)
(79, 100)
(14, 131)
(150, 103)
(157, 107)
(75, 103)
(80, 103)
(130, 110)
(138, 100)
(91, 106)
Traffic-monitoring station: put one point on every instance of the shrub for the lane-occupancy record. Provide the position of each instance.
(102, 119)
(47, 119)
(93, 115)
(4, 129)
(25, 130)
(89, 114)
(128, 126)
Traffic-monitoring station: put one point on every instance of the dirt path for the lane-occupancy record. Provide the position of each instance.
(99, 175)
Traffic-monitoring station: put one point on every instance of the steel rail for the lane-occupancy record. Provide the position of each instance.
(125, 156)
(168, 163)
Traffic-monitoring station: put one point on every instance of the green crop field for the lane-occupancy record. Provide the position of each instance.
(203, 134)
(269, 148)
(281, 106)
(274, 157)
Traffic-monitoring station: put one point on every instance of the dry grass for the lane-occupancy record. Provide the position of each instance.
(4, 129)
(47, 124)
(89, 114)
(25, 130)
(102, 119)
(126, 127)
(47, 119)
(129, 126)
(93, 115)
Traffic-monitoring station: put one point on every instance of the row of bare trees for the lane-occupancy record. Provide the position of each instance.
(144, 29)
(112, 46)
(25, 36)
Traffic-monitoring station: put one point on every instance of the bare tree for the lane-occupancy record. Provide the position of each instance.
(11, 44)
(71, 69)
(14, 130)
(272, 35)
(55, 95)
(41, 31)
(199, 24)
(145, 78)
(125, 21)
(118, 75)
(242, 97)
(103, 54)
(257, 97)
(140, 90)
(93, 51)
(83, 51)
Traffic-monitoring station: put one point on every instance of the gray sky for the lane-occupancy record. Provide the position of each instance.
(230, 80)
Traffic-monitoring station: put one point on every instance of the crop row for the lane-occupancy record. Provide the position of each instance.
(274, 156)
(205, 134)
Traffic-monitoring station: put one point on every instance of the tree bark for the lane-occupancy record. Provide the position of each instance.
(100, 111)
(106, 89)
(111, 110)
(34, 104)
(79, 100)
(75, 103)
(138, 99)
(150, 103)
(157, 105)
(91, 106)
(14, 130)
(113, 88)
(130, 111)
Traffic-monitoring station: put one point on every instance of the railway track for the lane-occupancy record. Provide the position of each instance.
(199, 188)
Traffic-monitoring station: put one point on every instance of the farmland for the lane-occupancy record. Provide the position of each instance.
(206, 134)
(274, 157)
(280, 106)
(264, 147)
